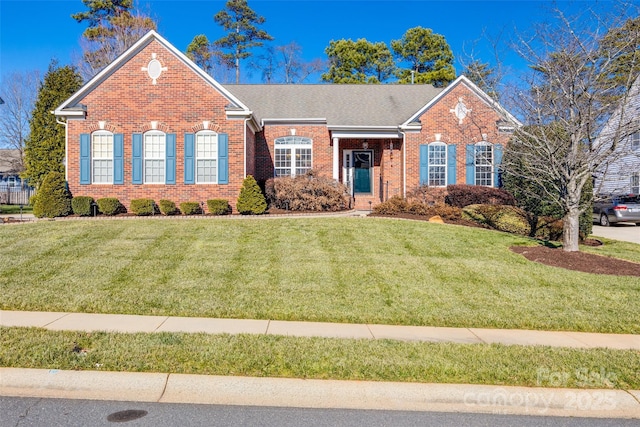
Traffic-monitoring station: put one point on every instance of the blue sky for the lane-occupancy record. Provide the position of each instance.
(32, 32)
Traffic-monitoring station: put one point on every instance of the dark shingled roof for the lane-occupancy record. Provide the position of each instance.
(341, 105)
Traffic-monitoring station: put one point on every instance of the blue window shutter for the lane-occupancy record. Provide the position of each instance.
(85, 158)
(223, 158)
(451, 164)
(170, 160)
(136, 159)
(189, 158)
(424, 164)
(118, 158)
(497, 161)
(471, 164)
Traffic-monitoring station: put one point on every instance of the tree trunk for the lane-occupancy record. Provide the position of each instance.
(571, 231)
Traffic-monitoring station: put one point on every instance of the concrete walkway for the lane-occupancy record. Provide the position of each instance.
(625, 232)
(133, 323)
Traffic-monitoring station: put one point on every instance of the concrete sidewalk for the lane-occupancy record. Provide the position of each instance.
(134, 323)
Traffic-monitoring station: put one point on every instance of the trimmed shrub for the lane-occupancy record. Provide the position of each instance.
(507, 218)
(190, 208)
(428, 195)
(396, 205)
(143, 207)
(251, 201)
(549, 228)
(446, 212)
(81, 205)
(218, 206)
(393, 206)
(307, 193)
(109, 206)
(53, 198)
(461, 195)
(167, 207)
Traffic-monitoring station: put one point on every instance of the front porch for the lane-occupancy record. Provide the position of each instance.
(371, 169)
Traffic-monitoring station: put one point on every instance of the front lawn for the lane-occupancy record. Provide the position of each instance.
(321, 358)
(15, 209)
(359, 270)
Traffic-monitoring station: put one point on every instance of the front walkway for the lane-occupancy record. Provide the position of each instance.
(133, 323)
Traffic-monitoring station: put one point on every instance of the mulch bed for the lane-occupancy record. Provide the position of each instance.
(578, 261)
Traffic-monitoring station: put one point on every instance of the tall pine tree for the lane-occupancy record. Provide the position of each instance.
(240, 22)
(44, 148)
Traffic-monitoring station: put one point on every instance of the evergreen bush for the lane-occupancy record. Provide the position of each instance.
(218, 206)
(109, 206)
(167, 207)
(251, 201)
(81, 205)
(143, 207)
(190, 208)
(53, 198)
(507, 218)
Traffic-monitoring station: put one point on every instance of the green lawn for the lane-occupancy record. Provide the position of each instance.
(372, 270)
(15, 209)
(321, 358)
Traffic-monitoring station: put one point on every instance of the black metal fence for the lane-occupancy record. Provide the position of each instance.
(15, 194)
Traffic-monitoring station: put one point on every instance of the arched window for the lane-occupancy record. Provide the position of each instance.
(154, 152)
(484, 164)
(102, 157)
(437, 174)
(206, 157)
(292, 155)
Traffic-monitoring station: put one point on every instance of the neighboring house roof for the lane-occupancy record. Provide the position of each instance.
(341, 105)
(10, 162)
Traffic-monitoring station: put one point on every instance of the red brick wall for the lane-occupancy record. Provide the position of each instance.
(322, 150)
(439, 119)
(180, 101)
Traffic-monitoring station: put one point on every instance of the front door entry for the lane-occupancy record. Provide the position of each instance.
(358, 170)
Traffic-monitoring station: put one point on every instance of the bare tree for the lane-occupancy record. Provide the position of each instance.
(285, 64)
(18, 90)
(114, 26)
(575, 116)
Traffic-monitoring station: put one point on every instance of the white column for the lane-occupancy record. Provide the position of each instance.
(336, 158)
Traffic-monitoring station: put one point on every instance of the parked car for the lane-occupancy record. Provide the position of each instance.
(612, 209)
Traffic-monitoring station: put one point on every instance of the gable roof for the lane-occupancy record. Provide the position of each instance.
(475, 89)
(337, 105)
(70, 107)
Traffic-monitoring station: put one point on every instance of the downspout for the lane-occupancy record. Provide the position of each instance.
(244, 172)
(66, 139)
(404, 163)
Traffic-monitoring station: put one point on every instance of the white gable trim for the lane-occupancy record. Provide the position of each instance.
(128, 54)
(411, 123)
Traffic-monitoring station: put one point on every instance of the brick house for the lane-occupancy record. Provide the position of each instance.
(152, 124)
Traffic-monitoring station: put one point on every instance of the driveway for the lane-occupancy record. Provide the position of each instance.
(625, 232)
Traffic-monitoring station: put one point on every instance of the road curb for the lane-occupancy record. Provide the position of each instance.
(302, 393)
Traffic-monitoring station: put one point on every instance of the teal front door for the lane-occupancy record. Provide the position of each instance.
(362, 171)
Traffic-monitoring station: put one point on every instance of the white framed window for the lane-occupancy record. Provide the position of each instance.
(154, 153)
(635, 141)
(484, 164)
(635, 183)
(437, 174)
(102, 157)
(206, 157)
(292, 155)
